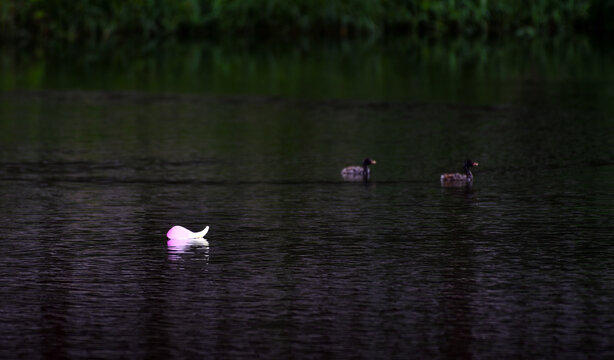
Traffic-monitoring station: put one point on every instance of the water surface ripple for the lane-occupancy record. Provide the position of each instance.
(301, 264)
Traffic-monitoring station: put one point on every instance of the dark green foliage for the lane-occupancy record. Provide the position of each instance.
(96, 18)
(79, 19)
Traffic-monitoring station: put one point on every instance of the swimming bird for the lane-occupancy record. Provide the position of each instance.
(456, 179)
(354, 173)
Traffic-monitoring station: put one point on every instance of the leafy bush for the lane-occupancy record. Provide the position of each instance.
(79, 19)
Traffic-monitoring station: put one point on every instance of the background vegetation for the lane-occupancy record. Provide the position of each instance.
(102, 19)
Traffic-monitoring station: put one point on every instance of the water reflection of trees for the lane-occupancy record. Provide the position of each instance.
(460, 70)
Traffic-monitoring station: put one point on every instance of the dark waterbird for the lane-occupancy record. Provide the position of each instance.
(357, 173)
(458, 179)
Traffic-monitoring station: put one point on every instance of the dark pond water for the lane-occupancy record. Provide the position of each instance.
(301, 264)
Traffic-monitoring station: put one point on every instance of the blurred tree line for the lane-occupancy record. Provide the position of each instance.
(102, 19)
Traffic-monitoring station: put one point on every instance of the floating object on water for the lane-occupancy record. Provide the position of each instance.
(180, 233)
(457, 179)
(180, 238)
(356, 173)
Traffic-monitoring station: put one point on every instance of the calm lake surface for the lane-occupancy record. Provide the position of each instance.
(102, 151)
